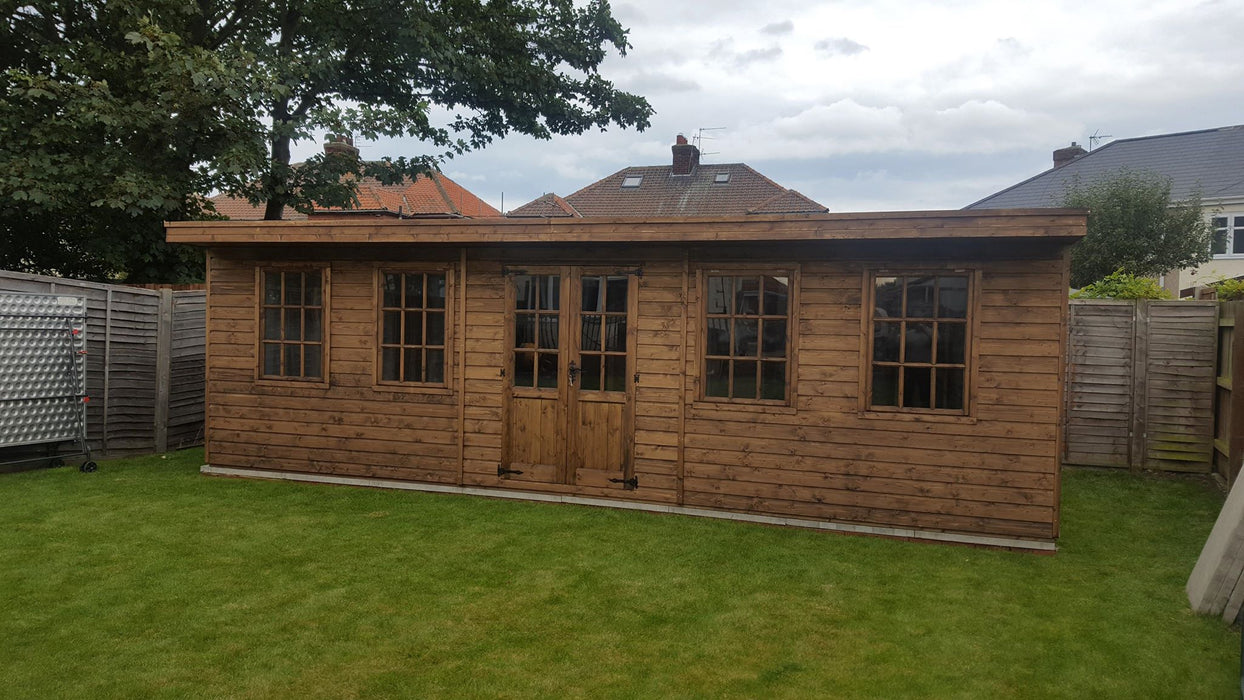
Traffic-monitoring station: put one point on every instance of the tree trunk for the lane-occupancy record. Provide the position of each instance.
(278, 194)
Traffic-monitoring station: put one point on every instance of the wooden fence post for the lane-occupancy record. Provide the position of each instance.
(1140, 388)
(1235, 439)
(164, 366)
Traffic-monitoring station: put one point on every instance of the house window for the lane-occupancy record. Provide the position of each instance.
(747, 335)
(413, 327)
(919, 354)
(632, 180)
(1228, 235)
(291, 319)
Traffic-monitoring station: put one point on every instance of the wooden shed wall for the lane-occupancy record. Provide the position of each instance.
(994, 472)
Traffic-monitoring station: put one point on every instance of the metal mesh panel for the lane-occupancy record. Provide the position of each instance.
(42, 368)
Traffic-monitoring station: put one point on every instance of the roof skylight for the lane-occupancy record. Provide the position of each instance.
(632, 180)
(721, 177)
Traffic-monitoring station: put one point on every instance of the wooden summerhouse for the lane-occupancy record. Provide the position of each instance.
(893, 373)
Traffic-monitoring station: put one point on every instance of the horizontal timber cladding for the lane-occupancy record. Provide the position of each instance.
(820, 453)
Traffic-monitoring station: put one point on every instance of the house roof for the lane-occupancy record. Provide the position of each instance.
(432, 195)
(1209, 162)
(546, 206)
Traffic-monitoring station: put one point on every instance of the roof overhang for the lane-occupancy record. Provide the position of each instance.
(1028, 224)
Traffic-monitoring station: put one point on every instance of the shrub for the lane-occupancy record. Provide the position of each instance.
(1230, 289)
(1121, 285)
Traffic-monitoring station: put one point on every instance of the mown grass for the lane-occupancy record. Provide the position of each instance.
(146, 579)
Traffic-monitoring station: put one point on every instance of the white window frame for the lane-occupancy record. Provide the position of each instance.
(1234, 224)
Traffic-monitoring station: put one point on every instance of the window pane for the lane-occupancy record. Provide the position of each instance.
(615, 298)
(747, 296)
(293, 288)
(1239, 221)
(589, 378)
(272, 288)
(1237, 241)
(952, 297)
(745, 337)
(413, 371)
(414, 291)
(272, 359)
(549, 327)
(773, 380)
(717, 378)
(311, 295)
(919, 342)
(436, 329)
(392, 290)
(950, 388)
(717, 339)
(717, 299)
(920, 297)
(436, 291)
(773, 341)
(272, 324)
(311, 329)
(889, 293)
(593, 294)
(589, 334)
(951, 343)
(434, 366)
(885, 386)
(776, 291)
(293, 324)
(413, 332)
(550, 292)
(391, 334)
(615, 373)
(524, 369)
(1220, 222)
(389, 364)
(615, 333)
(886, 338)
(524, 292)
(311, 360)
(524, 330)
(546, 369)
(293, 361)
(1219, 246)
(744, 379)
(916, 387)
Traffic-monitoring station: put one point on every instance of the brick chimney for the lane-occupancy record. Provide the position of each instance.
(340, 145)
(1064, 156)
(686, 156)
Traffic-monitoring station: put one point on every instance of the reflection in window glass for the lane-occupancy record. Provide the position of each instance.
(290, 319)
(919, 341)
(411, 336)
(747, 327)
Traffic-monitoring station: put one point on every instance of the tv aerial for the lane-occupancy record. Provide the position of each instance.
(1098, 136)
(699, 138)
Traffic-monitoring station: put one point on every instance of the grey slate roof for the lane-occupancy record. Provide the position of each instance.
(1210, 161)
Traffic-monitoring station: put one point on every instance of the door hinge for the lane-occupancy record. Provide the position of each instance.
(629, 484)
(503, 472)
(637, 377)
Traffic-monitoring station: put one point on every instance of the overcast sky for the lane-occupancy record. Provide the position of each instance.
(868, 105)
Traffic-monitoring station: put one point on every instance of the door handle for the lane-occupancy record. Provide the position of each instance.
(573, 370)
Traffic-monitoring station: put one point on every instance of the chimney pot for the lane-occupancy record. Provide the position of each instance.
(339, 144)
(686, 156)
(681, 140)
(1064, 156)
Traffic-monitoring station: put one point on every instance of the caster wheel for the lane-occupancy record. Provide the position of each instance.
(88, 467)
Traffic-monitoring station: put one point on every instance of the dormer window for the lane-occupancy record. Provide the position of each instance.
(632, 180)
(721, 178)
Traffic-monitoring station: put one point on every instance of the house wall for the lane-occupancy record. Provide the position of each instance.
(993, 472)
(1220, 267)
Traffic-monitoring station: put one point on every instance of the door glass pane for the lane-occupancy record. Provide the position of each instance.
(776, 292)
(311, 360)
(524, 330)
(773, 380)
(414, 291)
(293, 361)
(773, 340)
(311, 294)
(413, 332)
(717, 295)
(392, 293)
(717, 340)
(391, 334)
(950, 388)
(889, 293)
(590, 333)
(615, 333)
(549, 329)
(293, 288)
(436, 329)
(550, 291)
(593, 293)
(272, 288)
(716, 377)
(919, 342)
(886, 335)
(413, 371)
(589, 378)
(524, 369)
(951, 343)
(524, 292)
(952, 297)
(917, 383)
(389, 364)
(920, 297)
(546, 370)
(615, 299)
(745, 336)
(885, 386)
(311, 329)
(615, 373)
(434, 366)
(747, 296)
(272, 324)
(744, 379)
(436, 292)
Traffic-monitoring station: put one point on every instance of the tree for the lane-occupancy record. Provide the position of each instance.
(120, 114)
(1135, 228)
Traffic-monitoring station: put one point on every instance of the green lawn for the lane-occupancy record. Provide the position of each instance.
(147, 579)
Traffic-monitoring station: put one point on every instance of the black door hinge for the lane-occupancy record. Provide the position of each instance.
(637, 377)
(629, 484)
(502, 471)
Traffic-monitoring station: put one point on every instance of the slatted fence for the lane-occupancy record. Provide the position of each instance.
(1140, 384)
(144, 362)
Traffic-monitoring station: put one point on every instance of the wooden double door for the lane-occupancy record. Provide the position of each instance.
(571, 376)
